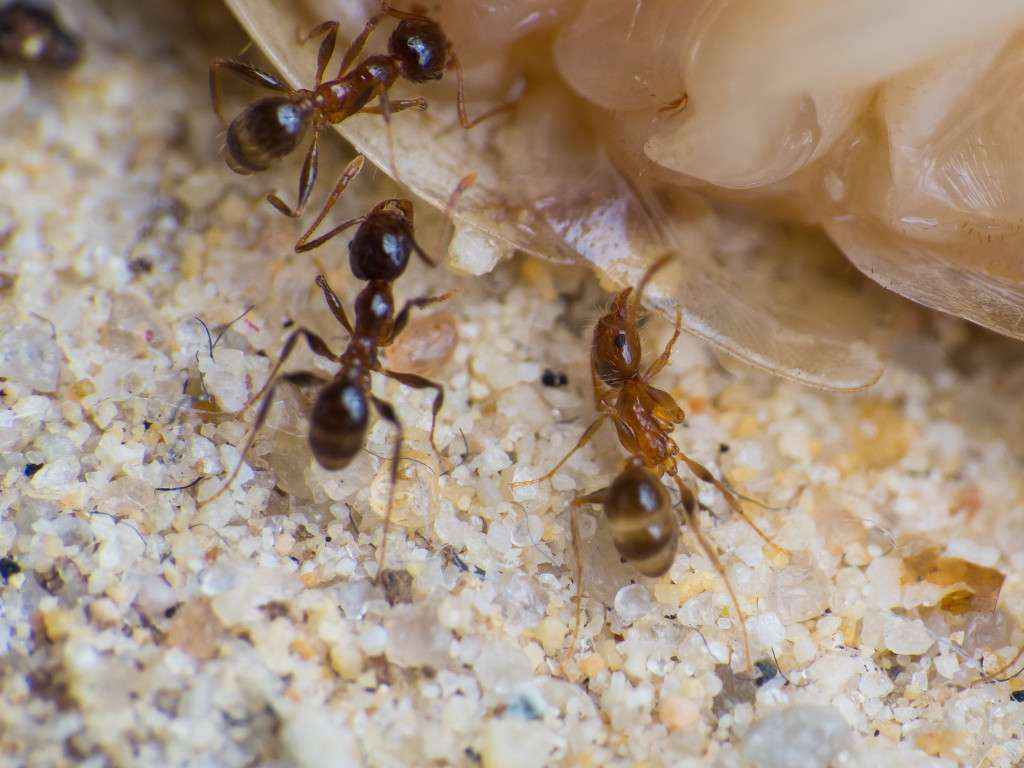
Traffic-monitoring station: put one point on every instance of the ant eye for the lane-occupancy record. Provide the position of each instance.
(620, 340)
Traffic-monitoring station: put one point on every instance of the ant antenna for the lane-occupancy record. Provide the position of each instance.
(638, 294)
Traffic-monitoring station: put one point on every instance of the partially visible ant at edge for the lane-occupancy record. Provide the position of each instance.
(272, 127)
(379, 254)
(31, 34)
(643, 523)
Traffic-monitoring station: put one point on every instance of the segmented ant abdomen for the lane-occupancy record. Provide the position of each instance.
(644, 529)
(337, 424)
(381, 246)
(32, 34)
(421, 48)
(265, 131)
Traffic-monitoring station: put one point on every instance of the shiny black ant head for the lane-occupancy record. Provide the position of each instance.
(421, 49)
(381, 246)
(265, 131)
(32, 34)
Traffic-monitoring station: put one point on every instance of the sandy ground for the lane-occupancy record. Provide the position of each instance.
(138, 629)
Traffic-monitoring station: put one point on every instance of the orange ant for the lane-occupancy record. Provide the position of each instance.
(33, 35)
(340, 416)
(273, 127)
(644, 527)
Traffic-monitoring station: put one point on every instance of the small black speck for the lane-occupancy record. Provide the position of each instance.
(140, 266)
(293, 559)
(288, 323)
(473, 755)
(31, 469)
(370, 690)
(147, 424)
(1018, 695)
(768, 672)
(553, 379)
(877, 732)
(723, 448)
(480, 572)
(328, 539)
(828, 611)
(8, 568)
(169, 612)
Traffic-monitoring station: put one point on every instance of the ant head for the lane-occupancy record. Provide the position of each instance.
(381, 246)
(616, 347)
(421, 48)
(265, 131)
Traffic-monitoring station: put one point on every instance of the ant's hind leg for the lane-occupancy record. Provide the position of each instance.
(597, 497)
(703, 474)
(307, 180)
(387, 413)
(690, 508)
(351, 171)
(584, 439)
(298, 378)
(317, 344)
(245, 71)
(419, 382)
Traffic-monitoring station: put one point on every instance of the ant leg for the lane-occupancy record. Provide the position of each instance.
(584, 439)
(400, 105)
(403, 316)
(394, 13)
(701, 473)
(323, 56)
(447, 233)
(351, 171)
(318, 345)
(597, 497)
(690, 507)
(461, 100)
(357, 45)
(387, 413)
(334, 303)
(298, 378)
(307, 180)
(385, 111)
(419, 382)
(246, 72)
(666, 355)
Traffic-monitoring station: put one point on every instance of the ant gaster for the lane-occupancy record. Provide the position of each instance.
(341, 412)
(273, 127)
(33, 35)
(643, 525)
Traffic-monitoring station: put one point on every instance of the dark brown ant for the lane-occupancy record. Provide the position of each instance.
(379, 253)
(273, 127)
(31, 34)
(643, 524)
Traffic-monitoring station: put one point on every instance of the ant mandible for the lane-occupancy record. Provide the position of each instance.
(339, 419)
(644, 527)
(273, 127)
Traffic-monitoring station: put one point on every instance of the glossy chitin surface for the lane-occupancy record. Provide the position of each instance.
(712, 127)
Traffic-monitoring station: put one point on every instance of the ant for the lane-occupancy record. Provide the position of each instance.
(273, 127)
(644, 527)
(33, 35)
(379, 253)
